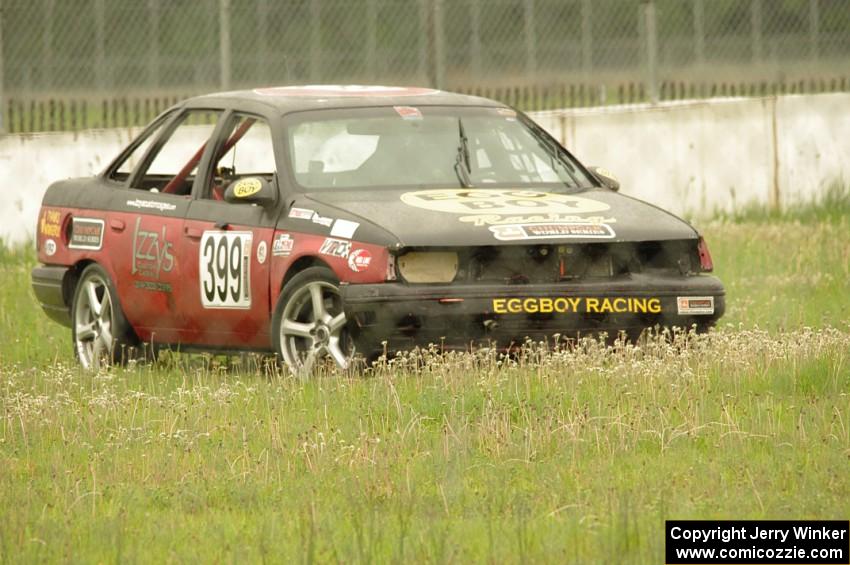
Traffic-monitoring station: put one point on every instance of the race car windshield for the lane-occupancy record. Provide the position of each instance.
(426, 146)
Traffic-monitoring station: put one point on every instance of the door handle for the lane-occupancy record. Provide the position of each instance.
(117, 225)
(194, 233)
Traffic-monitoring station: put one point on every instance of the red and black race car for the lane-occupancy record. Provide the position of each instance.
(321, 221)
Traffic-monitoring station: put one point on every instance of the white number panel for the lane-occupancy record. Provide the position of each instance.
(226, 269)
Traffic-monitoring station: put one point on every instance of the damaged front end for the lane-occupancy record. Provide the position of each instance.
(507, 293)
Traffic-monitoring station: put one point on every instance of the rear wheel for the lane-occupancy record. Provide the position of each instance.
(309, 324)
(101, 335)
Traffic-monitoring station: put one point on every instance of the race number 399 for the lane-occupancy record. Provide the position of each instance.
(225, 269)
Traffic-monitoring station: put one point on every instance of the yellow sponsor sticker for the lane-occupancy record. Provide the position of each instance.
(247, 187)
(577, 305)
(49, 225)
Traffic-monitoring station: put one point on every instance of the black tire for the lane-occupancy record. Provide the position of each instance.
(100, 334)
(309, 325)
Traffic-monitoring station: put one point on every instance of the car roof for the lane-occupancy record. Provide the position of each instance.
(287, 99)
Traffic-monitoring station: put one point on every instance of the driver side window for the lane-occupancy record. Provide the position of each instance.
(246, 151)
(173, 167)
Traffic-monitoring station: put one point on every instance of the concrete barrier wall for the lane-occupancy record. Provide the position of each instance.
(29, 163)
(702, 156)
(689, 157)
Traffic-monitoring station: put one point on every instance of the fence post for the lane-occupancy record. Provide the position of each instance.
(100, 45)
(2, 96)
(224, 42)
(47, 63)
(371, 39)
(699, 31)
(424, 41)
(262, 15)
(586, 39)
(530, 40)
(439, 46)
(153, 43)
(814, 29)
(756, 26)
(315, 41)
(475, 37)
(775, 197)
(650, 48)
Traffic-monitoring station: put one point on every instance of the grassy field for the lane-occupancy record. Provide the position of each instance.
(555, 456)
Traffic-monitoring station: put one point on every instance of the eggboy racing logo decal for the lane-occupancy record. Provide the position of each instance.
(501, 201)
(577, 305)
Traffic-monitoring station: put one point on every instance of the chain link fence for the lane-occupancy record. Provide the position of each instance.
(105, 55)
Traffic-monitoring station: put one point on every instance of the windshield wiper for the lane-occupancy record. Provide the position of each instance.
(463, 169)
(556, 157)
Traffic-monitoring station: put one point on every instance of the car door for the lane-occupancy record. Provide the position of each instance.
(226, 245)
(146, 220)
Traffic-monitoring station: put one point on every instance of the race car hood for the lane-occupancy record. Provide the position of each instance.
(478, 216)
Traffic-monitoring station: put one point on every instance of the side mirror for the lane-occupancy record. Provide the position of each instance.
(606, 177)
(250, 190)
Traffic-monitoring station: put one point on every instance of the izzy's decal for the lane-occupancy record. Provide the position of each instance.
(151, 252)
(577, 305)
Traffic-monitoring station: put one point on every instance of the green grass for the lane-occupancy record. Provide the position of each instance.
(831, 206)
(558, 456)
(784, 275)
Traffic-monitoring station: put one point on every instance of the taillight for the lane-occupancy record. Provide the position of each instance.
(705, 262)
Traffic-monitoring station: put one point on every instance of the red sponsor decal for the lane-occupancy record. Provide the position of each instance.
(359, 260)
(408, 112)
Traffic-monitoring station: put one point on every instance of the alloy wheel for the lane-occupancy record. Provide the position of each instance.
(313, 326)
(93, 332)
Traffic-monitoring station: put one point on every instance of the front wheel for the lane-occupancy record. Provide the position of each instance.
(309, 324)
(99, 331)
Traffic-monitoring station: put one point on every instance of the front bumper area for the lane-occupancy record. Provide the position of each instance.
(455, 315)
(52, 289)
